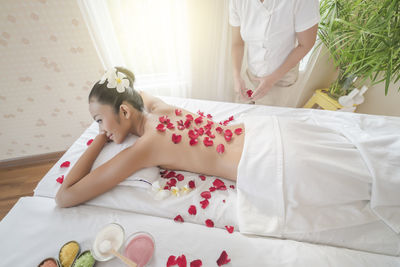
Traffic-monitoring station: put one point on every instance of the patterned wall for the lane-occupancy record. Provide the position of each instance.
(47, 66)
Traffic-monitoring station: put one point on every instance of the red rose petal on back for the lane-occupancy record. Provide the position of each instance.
(187, 124)
(176, 138)
(228, 138)
(207, 141)
(220, 148)
(181, 261)
(204, 203)
(178, 112)
(89, 142)
(196, 263)
(238, 131)
(209, 223)
(205, 194)
(229, 229)
(160, 127)
(178, 218)
(202, 177)
(60, 179)
(209, 116)
(223, 258)
(193, 142)
(189, 117)
(171, 261)
(170, 125)
(163, 119)
(219, 130)
(65, 164)
(192, 210)
(192, 184)
(192, 134)
(200, 131)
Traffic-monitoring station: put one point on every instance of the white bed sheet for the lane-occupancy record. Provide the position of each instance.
(137, 197)
(36, 229)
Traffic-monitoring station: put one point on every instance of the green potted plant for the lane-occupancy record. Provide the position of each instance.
(363, 39)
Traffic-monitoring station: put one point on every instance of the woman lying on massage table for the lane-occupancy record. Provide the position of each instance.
(173, 143)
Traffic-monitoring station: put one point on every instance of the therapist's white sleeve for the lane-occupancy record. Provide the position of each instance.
(306, 14)
(234, 18)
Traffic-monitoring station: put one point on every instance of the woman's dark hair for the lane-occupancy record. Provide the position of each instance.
(110, 96)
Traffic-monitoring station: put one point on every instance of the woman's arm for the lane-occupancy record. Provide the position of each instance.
(306, 41)
(237, 59)
(81, 185)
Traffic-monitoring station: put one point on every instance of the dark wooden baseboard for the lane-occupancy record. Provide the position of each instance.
(31, 160)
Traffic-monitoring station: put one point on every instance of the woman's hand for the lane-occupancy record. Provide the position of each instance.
(265, 85)
(240, 87)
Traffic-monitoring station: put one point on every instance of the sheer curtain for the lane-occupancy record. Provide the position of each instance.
(174, 47)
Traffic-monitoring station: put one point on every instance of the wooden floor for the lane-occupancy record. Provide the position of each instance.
(16, 182)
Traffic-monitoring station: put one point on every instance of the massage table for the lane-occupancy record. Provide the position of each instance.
(138, 206)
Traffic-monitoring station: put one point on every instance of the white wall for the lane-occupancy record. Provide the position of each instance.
(47, 66)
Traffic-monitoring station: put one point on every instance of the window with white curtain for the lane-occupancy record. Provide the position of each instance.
(174, 47)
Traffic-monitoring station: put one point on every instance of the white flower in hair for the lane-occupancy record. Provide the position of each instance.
(118, 80)
(108, 74)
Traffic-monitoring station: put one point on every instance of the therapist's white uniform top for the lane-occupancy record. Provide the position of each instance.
(269, 29)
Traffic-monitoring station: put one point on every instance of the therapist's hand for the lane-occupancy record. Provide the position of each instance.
(265, 85)
(240, 87)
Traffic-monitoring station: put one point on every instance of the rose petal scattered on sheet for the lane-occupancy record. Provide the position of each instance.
(229, 228)
(192, 184)
(232, 186)
(180, 177)
(212, 188)
(209, 223)
(231, 118)
(65, 164)
(209, 116)
(202, 177)
(218, 183)
(178, 112)
(172, 182)
(176, 138)
(204, 203)
(192, 210)
(170, 174)
(178, 218)
(181, 261)
(60, 179)
(205, 194)
(89, 142)
(171, 261)
(220, 148)
(223, 259)
(238, 131)
(201, 113)
(196, 263)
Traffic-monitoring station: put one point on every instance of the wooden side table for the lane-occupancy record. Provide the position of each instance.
(321, 100)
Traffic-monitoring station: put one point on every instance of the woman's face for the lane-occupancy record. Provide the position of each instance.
(108, 121)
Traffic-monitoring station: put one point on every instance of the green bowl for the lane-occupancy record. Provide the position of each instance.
(85, 259)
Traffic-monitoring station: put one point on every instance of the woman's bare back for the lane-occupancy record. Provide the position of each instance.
(197, 158)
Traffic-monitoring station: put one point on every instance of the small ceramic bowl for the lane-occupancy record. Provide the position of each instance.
(69, 258)
(139, 247)
(42, 264)
(106, 234)
(85, 259)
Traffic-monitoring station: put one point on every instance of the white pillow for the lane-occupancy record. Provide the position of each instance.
(142, 178)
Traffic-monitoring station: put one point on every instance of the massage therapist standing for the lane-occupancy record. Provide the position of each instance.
(278, 34)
